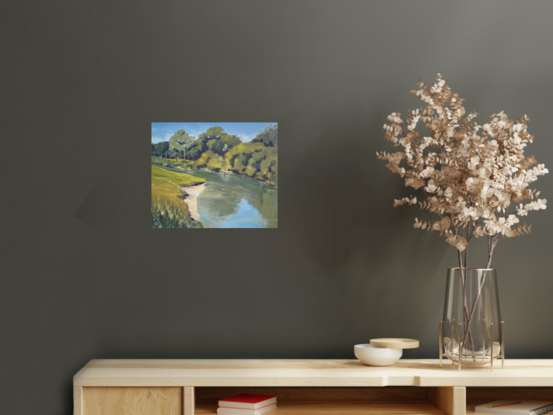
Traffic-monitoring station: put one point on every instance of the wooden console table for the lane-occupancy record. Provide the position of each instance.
(303, 387)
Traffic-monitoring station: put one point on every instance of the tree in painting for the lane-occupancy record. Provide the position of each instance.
(179, 141)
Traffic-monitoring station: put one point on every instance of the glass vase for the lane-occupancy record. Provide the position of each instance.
(471, 332)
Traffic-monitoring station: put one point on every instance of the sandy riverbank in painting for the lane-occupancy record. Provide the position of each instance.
(191, 199)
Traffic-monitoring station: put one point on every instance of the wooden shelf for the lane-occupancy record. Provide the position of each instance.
(287, 373)
(333, 408)
(303, 387)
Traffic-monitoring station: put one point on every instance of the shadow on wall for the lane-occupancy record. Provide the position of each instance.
(110, 203)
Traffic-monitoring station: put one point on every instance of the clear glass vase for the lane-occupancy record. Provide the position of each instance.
(471, 330)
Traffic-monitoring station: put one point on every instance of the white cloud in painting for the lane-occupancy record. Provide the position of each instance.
(246, 137)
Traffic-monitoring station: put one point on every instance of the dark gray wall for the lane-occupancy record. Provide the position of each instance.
(83, 275)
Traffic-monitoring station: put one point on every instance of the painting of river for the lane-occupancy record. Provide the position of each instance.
(214, 175)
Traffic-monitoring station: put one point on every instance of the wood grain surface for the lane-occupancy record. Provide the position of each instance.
(308, 373)
(450, 400)
(132, 401)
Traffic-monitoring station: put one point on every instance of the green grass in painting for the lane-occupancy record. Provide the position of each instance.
(167, 215)
(177, 178)
(168, 207)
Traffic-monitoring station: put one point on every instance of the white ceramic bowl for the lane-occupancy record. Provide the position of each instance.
(376, 356)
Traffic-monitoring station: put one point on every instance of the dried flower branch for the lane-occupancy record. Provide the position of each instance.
(475, 178)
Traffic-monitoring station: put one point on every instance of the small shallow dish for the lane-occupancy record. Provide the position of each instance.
(376, 356)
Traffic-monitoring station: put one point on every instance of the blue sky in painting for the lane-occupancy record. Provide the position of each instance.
(162, 131)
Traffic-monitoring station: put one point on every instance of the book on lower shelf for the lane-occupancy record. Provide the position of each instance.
(515, 407)
(247, 404)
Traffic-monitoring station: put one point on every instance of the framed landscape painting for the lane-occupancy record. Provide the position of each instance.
(214, 175)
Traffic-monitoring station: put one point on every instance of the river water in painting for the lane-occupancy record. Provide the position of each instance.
(235, 201)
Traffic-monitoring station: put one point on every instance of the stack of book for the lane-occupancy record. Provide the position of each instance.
(247, 404)
(515, 407)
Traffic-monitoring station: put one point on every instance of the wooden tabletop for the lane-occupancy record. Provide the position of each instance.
(305, 373)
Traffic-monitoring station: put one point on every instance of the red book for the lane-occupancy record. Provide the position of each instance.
(247, 401)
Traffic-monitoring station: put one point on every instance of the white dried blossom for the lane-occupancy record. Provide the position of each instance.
(474, 177)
